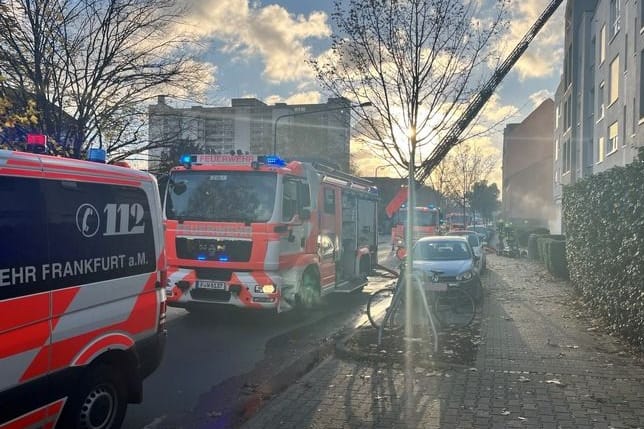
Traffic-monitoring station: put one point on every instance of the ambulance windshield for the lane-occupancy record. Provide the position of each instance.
(221, 196)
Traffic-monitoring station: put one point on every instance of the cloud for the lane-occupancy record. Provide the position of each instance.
(278, 37)
(307, 97)
(545, 54)
(538, 97)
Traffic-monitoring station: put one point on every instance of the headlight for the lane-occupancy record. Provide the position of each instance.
(464, 276)
(265, 289)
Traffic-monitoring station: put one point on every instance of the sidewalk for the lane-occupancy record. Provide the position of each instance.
(541, 364)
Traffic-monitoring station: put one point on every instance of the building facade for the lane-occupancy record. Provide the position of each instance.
(527, 167)
(599, 103)
(304, 131)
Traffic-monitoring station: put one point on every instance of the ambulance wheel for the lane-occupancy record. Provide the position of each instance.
(99, 402)
(309, 296)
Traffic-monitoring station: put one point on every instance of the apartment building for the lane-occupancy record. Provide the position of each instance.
(527, 167)
(599, 105)
(310, 131)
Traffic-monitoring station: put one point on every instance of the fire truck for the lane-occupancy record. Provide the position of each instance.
(258, 232)
(427, 223)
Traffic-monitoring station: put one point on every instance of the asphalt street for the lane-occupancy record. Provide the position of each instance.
(205, 358)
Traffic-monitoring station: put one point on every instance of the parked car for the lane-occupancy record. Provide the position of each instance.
(483, 232)
(477, 246)
(453, 258)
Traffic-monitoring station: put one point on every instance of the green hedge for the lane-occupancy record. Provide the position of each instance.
(542, 253)
(603, 218)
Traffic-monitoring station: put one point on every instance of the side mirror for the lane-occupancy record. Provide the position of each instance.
(476, 258)
(305, 214)
(178, 188)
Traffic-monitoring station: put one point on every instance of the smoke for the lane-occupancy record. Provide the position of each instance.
(554, 223)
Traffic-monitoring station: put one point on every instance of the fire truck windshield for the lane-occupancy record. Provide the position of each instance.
(423, 218)
(221, 196)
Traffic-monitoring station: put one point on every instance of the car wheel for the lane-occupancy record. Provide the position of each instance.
(99, 402)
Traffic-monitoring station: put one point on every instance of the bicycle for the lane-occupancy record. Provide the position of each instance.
(452, 306)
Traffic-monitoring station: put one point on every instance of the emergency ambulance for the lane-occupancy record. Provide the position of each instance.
(258, 232)
(82, 310)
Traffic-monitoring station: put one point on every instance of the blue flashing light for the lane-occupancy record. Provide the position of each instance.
(431, 206)
(97, 155)
(201, 257)
(186, 159)
(275, 161)
(223, 258)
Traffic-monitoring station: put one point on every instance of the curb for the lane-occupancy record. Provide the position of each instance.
(246, 408)
(343, 352)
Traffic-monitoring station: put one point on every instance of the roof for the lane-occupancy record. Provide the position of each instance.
(442, 238)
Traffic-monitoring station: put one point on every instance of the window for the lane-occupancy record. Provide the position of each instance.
(568, 66)
(566, 115)
(600, 101)
(23, 222)
(640, 83)
(625, 52)
(556, 149)
(566, 157)
(289, 202)
(557, 116)
(613, 138)
(641, 13)
(634, 130)
(602, 44)
(329, 201)
(601, 146)
(614, 16)
(624, 127)
(613, 89)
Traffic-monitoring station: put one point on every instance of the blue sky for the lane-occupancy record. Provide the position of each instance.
(259, 49)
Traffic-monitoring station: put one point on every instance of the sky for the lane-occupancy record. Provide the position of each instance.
(260, 49)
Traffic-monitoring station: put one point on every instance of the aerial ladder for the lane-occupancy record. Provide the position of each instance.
(452, 137)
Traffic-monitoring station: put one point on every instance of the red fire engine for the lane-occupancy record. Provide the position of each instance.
(258, 232)
(427, 222)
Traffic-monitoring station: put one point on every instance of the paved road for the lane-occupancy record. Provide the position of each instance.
(203, 354)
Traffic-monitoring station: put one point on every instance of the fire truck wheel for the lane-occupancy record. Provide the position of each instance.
(309, 295)
(99, 402)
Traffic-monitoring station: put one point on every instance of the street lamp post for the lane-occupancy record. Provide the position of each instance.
(378, 168)
(330, 109)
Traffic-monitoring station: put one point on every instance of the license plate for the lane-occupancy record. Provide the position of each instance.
(211, 284)
(437, 287)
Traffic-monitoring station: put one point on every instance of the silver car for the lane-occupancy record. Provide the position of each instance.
(477, 246)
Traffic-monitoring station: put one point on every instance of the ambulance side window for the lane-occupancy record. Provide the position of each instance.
(23, 242)
(97, 232)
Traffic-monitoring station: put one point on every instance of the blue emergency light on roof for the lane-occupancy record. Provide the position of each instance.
(431, 206)
(274, 160)
(187, 160)
(97, 155)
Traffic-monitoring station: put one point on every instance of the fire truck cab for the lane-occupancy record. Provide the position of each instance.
(258, 232)
(427, 222)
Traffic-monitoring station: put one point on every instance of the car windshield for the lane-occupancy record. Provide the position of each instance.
(441, 251)
(223, 196)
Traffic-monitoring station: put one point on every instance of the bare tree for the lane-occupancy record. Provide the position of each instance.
(417, 61)
(91, 64)
(462, 168)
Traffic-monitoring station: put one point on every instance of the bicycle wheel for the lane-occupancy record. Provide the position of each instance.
(379, 303)
(454, 308)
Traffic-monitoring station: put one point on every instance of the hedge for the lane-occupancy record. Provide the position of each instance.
(603, 217)
(551, 251)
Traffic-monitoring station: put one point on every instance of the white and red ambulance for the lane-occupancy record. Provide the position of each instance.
(258, 232)
(82, 310)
